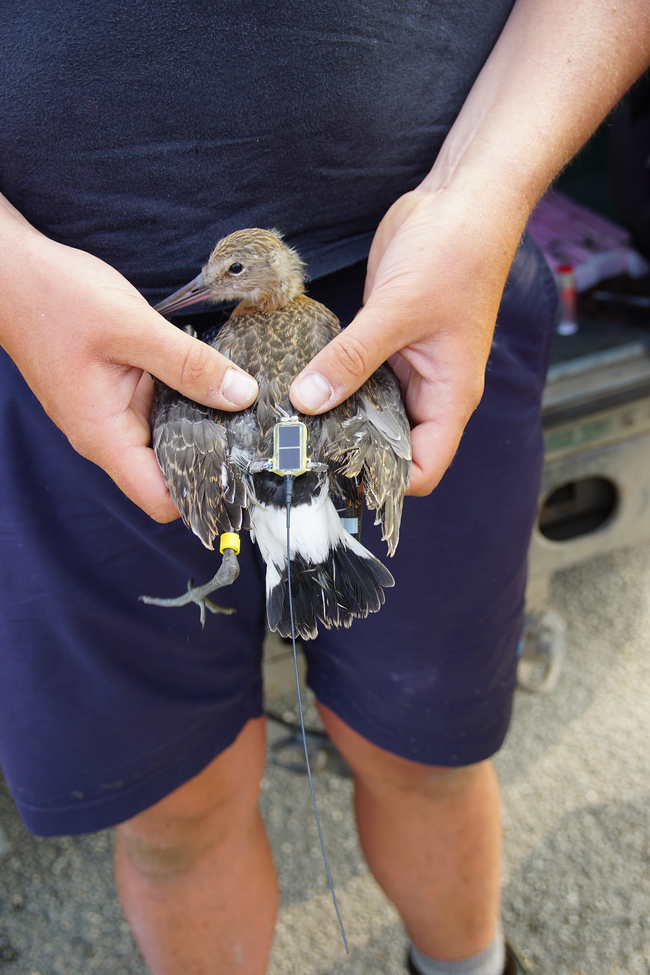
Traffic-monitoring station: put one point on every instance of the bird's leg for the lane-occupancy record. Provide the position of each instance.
(228, 572)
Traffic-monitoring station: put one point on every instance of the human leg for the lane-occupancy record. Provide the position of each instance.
(432, 839)
(195, 873)
(419, 697)
(123, 707)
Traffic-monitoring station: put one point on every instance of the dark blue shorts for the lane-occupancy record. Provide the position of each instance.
(107, 705)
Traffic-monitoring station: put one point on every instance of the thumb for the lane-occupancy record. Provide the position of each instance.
(345, 363)
(190, 366)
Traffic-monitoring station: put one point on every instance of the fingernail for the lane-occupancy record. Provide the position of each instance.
(313, 390)
(238, 387)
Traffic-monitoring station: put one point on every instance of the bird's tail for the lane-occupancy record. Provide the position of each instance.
(348, 584)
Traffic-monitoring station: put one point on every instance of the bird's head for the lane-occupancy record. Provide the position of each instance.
(254, 266)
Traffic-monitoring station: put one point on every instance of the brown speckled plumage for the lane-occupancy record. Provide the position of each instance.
(206, 455)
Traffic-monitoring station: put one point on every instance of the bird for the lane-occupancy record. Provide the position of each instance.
(218, 466)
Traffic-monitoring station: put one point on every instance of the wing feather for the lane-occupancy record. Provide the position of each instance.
(374, 443)
(192, 446)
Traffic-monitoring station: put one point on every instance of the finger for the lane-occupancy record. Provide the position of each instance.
(143, 396)
(136, 472)
(434, 445)
(120, 446)
(118, 441)
(188, 365)
(344, 364)
(401, 367)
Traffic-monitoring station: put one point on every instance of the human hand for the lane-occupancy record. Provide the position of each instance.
(441, 255)
(85, 340)
(436, 272)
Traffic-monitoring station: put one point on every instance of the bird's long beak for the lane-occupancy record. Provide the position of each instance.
(189, 294)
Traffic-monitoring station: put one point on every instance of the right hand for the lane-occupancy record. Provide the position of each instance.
(86, 341)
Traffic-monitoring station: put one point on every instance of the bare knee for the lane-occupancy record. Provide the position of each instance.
(205, 816)
(169, 847)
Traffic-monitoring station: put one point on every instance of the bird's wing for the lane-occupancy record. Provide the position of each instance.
(202, 466)
(373, 442)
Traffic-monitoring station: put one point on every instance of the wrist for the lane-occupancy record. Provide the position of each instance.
(462, 223)
(488, 189)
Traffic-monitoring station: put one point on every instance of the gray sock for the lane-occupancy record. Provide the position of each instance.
(490, 961)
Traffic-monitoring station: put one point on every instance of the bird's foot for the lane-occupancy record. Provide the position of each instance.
(228, 572)
(194, 594)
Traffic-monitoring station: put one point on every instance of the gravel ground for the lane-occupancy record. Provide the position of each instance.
(575, 784)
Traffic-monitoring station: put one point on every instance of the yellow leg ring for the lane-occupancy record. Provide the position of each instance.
(229, 540)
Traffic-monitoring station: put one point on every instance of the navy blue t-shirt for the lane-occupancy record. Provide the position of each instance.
(144, 131)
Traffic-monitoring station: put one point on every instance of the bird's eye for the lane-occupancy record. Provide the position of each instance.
(236, 268)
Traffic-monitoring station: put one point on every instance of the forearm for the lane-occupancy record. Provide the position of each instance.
(554, 74)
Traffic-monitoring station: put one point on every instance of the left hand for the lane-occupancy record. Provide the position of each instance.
(436, 272)
(441, 255)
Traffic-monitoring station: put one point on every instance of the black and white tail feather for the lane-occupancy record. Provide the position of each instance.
(334, 578)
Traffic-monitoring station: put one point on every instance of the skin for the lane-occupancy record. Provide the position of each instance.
(195, 872)
(437, 269)
(196, 879)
